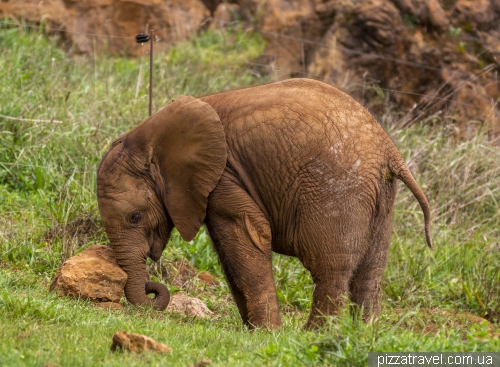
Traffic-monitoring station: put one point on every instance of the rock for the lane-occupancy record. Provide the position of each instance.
(389, 45)
(183, 304)
(426, 12)
(218, 6)
(284, 23)
(94, 274)
(172, 20)
(109, 305)
(481, 14)
(406, 49)
(203, 363)
(137, 343)
(375, 22)
(225, 14)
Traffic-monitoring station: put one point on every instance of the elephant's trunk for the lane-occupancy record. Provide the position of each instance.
(137, 287)
(162, 295)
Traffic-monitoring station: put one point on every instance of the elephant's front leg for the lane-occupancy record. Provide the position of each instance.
(242, 239)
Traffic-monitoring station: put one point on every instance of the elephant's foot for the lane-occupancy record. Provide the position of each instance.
(256, 315)
(366, 293)
(329, 298)
(264, 313)
(319, 315)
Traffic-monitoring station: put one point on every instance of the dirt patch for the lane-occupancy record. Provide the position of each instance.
(84, 228)
(76, 233)
(433, 320)
(181, 274)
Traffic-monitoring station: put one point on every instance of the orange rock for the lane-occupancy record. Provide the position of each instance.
(137, 343)
(172, 20)
(225, 14)
(207, 278)
(480, 13)
(94, 274)
(427, 12)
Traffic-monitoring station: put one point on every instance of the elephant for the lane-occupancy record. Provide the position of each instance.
(295, 167)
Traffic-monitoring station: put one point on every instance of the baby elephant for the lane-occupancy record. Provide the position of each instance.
(295, 167)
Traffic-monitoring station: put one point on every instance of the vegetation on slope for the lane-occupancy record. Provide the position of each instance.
(433, 301)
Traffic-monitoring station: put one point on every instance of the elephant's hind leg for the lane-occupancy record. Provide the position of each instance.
(365, 286)
(338, 245)
(366, 283)
(330, 290)
(242, 238)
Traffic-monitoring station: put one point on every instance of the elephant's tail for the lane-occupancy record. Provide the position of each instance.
(399, 168)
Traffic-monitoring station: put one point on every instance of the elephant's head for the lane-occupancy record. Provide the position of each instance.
(156, 177)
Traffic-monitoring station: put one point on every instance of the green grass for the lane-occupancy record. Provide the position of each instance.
(48, 206)
(40, 328)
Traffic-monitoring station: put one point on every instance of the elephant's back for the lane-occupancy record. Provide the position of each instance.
(301, 118)
(286, 106)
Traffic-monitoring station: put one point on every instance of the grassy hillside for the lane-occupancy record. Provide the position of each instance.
(432, 301)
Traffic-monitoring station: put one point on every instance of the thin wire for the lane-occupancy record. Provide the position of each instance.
(321, 44)
(152, 40)
(303, 40)
(58, 169)
(347, 50)
(364, 86)
(65, 30)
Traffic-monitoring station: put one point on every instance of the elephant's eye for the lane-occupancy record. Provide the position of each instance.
(135, 218)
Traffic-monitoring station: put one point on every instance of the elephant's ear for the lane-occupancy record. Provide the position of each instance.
(190, 153)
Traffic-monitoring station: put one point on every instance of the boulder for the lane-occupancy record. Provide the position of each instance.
(426, 12)
(189, 306)
(283, 23)
(480, 14)
(137, 343)
(384, 53)
(425, 58)
(409, 50)
(224, 15)
(94, 25)
(93, 274)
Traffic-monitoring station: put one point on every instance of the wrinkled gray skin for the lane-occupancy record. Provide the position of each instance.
(296, 167)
